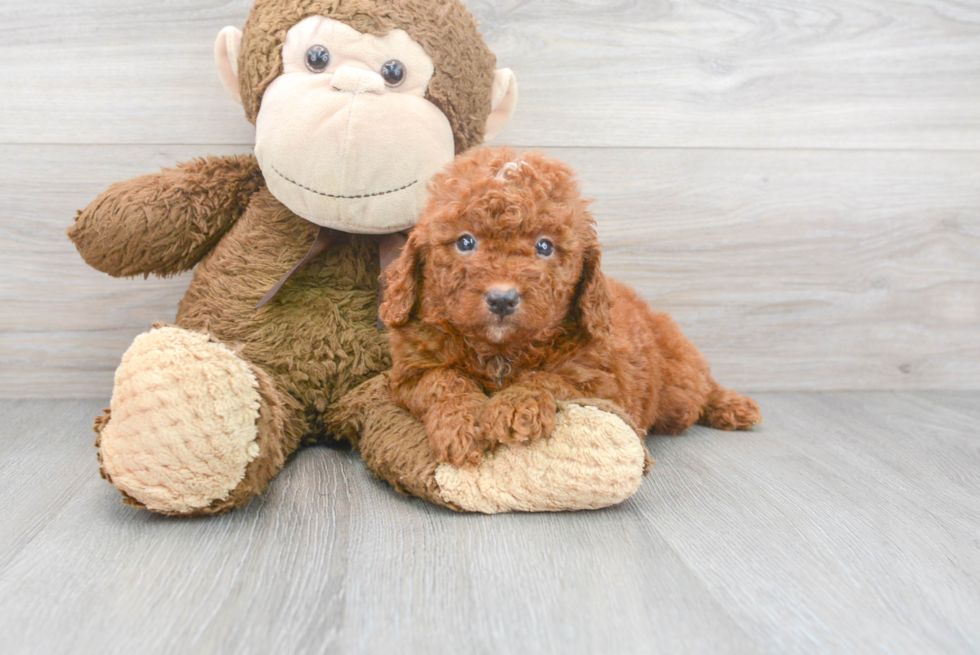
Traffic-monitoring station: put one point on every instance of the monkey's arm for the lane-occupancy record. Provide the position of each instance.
(166, 222)
(594, 458)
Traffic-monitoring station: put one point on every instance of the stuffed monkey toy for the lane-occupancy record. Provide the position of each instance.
(356, 104)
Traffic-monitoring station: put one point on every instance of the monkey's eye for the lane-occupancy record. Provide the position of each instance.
(466, 243)
(317, 59)
(545, 248)
(393, 72)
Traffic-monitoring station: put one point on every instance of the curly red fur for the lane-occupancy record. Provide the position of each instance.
(478, 379)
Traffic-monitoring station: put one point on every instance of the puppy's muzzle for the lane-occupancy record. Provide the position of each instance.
(503, 303)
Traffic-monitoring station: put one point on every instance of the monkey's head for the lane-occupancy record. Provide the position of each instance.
(357, 103)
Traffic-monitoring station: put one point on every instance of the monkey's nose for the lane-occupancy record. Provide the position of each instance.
(357, 80)
(503, 303)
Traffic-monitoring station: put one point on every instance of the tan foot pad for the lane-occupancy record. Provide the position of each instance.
(593, 459)
(183, 422)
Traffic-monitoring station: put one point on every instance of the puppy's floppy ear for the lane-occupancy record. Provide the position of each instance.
(400, 281)
(593, 298)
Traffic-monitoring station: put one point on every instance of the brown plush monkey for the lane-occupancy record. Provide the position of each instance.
(356, 104)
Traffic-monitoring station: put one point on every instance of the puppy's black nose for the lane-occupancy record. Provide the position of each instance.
(503, 303)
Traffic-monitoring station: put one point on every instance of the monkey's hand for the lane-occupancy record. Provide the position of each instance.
(166, 222)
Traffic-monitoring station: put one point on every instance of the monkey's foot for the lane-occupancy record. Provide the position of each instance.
(592, 459)
(189, 425)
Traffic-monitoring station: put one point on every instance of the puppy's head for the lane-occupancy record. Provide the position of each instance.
(505, 252)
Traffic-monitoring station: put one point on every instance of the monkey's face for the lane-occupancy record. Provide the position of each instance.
(345, 136)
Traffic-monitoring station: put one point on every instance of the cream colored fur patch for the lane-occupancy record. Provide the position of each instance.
(183, 423)
(593, 459)
(319, 137)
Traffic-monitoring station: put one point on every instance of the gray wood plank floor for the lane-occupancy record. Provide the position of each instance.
(848, 523)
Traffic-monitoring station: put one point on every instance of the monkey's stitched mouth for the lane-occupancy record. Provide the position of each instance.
(331, 195)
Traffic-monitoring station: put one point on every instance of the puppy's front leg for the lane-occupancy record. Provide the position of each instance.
(449, 404)
(525, 410)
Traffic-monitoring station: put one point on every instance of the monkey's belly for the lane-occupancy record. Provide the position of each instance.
(318, 337)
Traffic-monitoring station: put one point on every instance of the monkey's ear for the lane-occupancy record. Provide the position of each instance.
(227, 47)
(400, 284)
(503, 100)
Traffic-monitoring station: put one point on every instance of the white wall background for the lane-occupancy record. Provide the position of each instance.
(798, 182)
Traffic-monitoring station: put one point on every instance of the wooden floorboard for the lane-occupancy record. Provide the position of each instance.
(842, 507)
(846, 523)
(47, 448)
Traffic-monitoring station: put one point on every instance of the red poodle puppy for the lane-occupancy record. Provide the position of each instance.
(498, 308)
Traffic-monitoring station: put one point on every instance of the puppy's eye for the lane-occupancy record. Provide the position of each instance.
(393, 72)
(317, 59)
(545, 248)
(466, 243)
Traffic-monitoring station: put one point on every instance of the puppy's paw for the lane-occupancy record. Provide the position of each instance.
(455, 438)
(519, 415)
